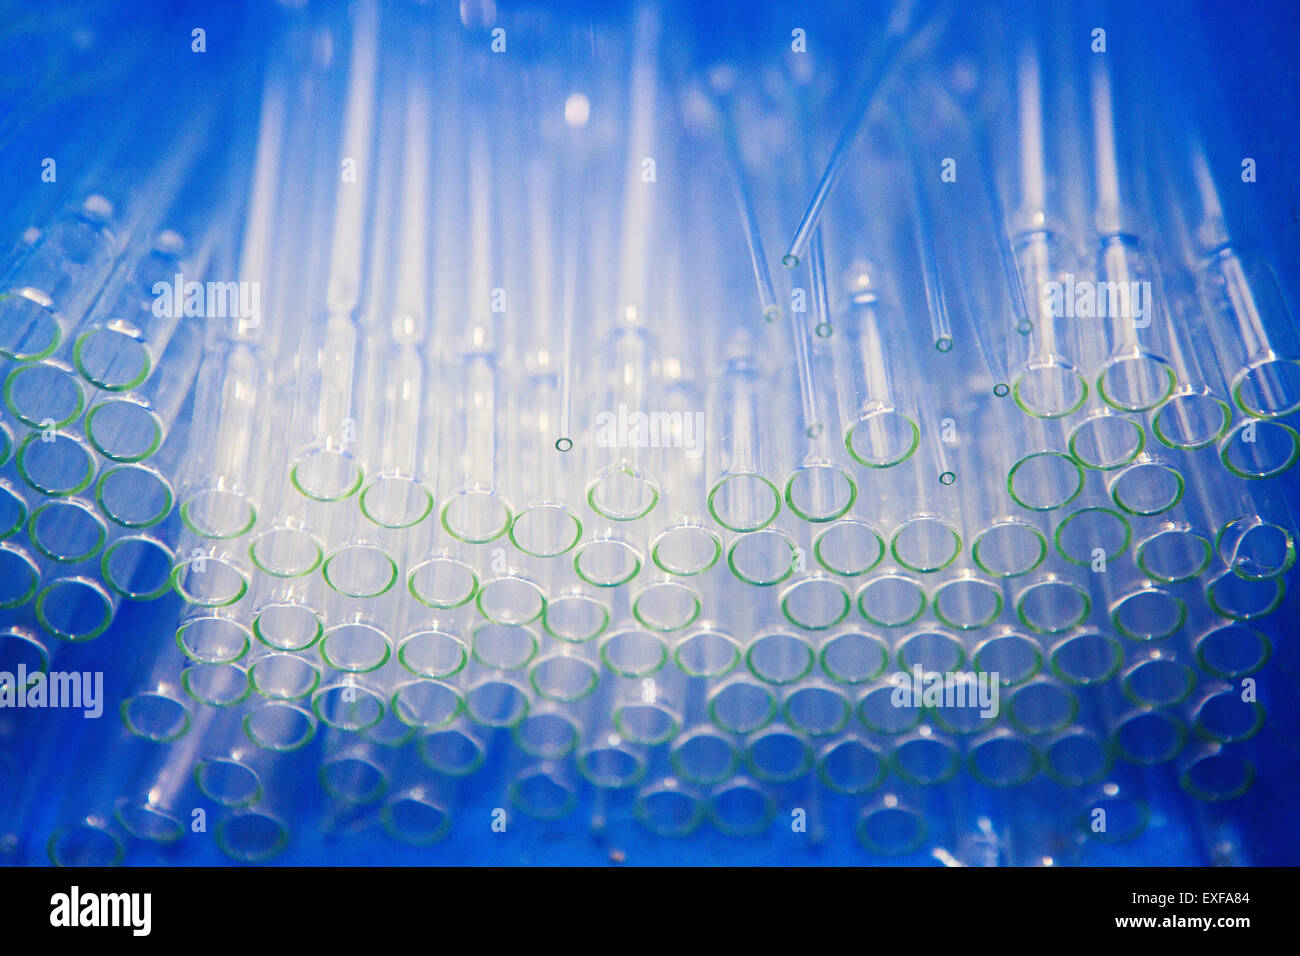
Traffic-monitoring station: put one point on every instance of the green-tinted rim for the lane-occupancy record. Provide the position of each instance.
(675, 757)
(1002, 735)
(1280, 592)
(175, 583)
(442, 605)
(563, 698)
(717, 486)
(534, 639)
(1009, 635)
(575, 736)
(1169, 717)
(100, 527)
(1104, 836)
(713, 708)
(1168, 369)
(604, 783)
(997, 609)
(675, 724)
(424, 512)
(1287, 562)
(663, 654)
(925, 600)
(911, 447)
(691, 672)
(1141, 638)
(480, 755)
(352, 488)
(1104, 746)
(788, 716)
(319, 694)
(769, 810)
(261, 691)
(125, 459)
(36, 576)
(320, 628)
(806, 763)
(605, 619)
(153, 595)
(1011, 480)
(1185, 780)
(513, 578)
(902, 645)
(640, 618)
(1199, 649)
(1168, 442)
(641, 812)
(922, 829)
(100, 827)
(21, 459)
(1239, 382)
(1225, 446)
(514, 519)
(880, 556)
(1126, 683)
(804, 671)
(414, 795)
(898, 767)
(124, 711)
(163, 482)
(1114, 489)
(1056, 728)
(80, 343)
(956, 550)
(1115, 646)
(839, 513)
(731, 560)
(577, 562)
(840, 678)
(13, 410)
(877, 729)
(1137, 449)
(24, 636)
(238, 533)
(441, 675)
(392, 577)
(1083, 616)
(440, 725)
(881, 760)
(265, 569)
(55, 340)
(1016, 522)
(95, 586)
(630, 472)
(1183, 530)
(186, 682)
(1020, 402)
(312, 724)
(694, 526)
(839, 618)
(570, 796)
(334, 665)
(223, 841)
(207, 761)
(1093, 509)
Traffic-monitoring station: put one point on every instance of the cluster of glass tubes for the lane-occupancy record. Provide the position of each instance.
(482, 445)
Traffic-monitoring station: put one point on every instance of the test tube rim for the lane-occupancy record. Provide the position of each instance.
(79, 345)
(812, 579)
